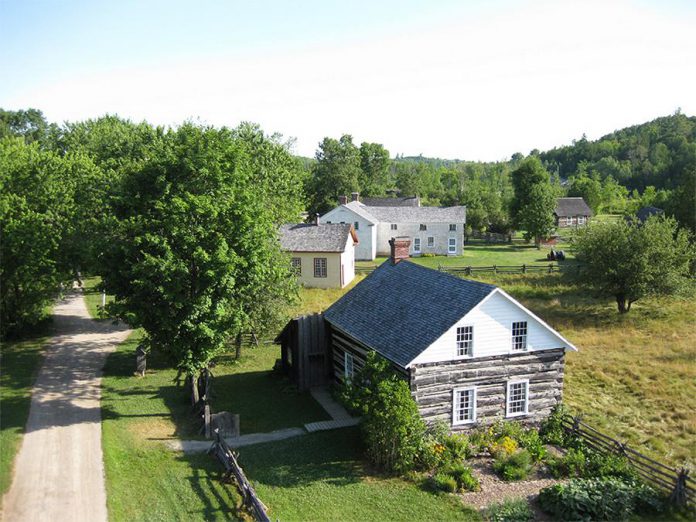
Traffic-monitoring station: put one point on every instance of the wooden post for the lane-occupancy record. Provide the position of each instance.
(238, 346)
(678, 496)
(468, 270)
(140, 361)
(206, 420)
(524, 268)
(550, 268)
(495, 269)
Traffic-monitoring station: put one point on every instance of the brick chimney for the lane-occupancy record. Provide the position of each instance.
(342, 200)
(399, 248)
(355, 196)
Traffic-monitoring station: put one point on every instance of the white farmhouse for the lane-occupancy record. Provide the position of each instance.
(322, 255)
(432, 230)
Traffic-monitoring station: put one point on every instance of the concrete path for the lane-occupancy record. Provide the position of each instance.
(59, 471)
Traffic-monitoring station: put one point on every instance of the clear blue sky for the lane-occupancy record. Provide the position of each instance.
(475, 80)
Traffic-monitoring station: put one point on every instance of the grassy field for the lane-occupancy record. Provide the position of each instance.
(323, 477)
(19, 363)
(317, 477)
(484, 255)
(93, 297)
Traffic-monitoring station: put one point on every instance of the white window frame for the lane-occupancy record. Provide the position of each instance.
(453, 227)
(319, 270)
(393, 226)
(348, 362)
(465, 340)
(431, 242)
(456, 401)
(423, 227)
(356, 225)
(508, 397)
(452, 247)
(416, 245)
(514, 337)
(581, 220)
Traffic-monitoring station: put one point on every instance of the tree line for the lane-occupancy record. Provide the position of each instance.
(181, 224)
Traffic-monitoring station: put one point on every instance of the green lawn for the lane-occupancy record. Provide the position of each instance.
(484, 255)
(19, 364)
(323, 477)
(93, 297)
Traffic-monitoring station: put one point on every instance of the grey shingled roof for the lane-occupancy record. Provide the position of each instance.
(361, 211)
(409, 201)
(326, 237)
(644, 213)
(399, 310)
(418, 214)
(572, 207)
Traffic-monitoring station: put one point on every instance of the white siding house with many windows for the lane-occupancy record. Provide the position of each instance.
(471, 353)
(322, 256)
(432, 230)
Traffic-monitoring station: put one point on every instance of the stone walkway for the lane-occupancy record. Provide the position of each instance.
(340, 419)
(59, 470)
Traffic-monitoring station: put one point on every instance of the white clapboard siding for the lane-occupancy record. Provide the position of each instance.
(366, 231)
(492, 321)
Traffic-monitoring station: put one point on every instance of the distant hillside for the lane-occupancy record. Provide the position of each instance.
(654, 153)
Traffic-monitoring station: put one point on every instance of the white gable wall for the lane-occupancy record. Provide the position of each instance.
(440, 232)
(348, 261)
(366, 231)
(492, 321)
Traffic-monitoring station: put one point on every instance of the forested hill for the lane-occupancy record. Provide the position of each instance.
(654, 153)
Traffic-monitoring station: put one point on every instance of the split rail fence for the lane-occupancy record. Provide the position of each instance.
(228, 459)
(496, 269)
(677, 483)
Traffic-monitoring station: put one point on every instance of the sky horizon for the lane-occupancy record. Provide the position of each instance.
(476, 81)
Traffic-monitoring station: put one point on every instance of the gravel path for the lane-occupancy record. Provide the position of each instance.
(59, 471)
(494, 489)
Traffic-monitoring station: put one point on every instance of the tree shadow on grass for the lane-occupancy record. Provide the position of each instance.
(333, 457)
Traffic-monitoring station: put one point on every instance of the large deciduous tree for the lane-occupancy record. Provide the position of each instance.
(336, 172)
(193, 247)
(534, 202)
(374, 166)
(629, 260)
(38, 227)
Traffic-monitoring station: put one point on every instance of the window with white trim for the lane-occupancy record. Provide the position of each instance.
(453, 227)
(348, 366)
(296, 263)
(581, 220)
(465, 340)
(452, 245)
(393, 226)
(416, 245)
(431, 242)
(517, 398)
(356, 225)
(464, 406)
(519, 336)
(423, 227)
(319, 267)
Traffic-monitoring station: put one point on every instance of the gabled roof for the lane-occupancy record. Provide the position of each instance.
(409, 201)
(325, 237)
(399, 310)
(360, 210)
(645, 212)
(572, 207)
(418, 214)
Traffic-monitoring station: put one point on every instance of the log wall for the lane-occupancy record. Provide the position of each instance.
(432, 385)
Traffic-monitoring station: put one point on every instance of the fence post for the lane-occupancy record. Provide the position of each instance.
(524, 268)
(468, 270)
(439, 267)
(678, 496)
(576, 426)
(550, 268)
(495, 269)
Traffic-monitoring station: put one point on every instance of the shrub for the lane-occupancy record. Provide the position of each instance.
(531, 441)
(552, 430)
(393, 430)
(457, 447)
(513, 467)
(464, 477)
(586, 463)
(443, 482)
(606, 498)
(504, 447)
(511, 510)
(572, 464)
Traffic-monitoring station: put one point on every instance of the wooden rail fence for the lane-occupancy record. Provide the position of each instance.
(677, 483)
(224, 454)
(496, 269)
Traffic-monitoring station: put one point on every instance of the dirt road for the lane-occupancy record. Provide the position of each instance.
(59, 471)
